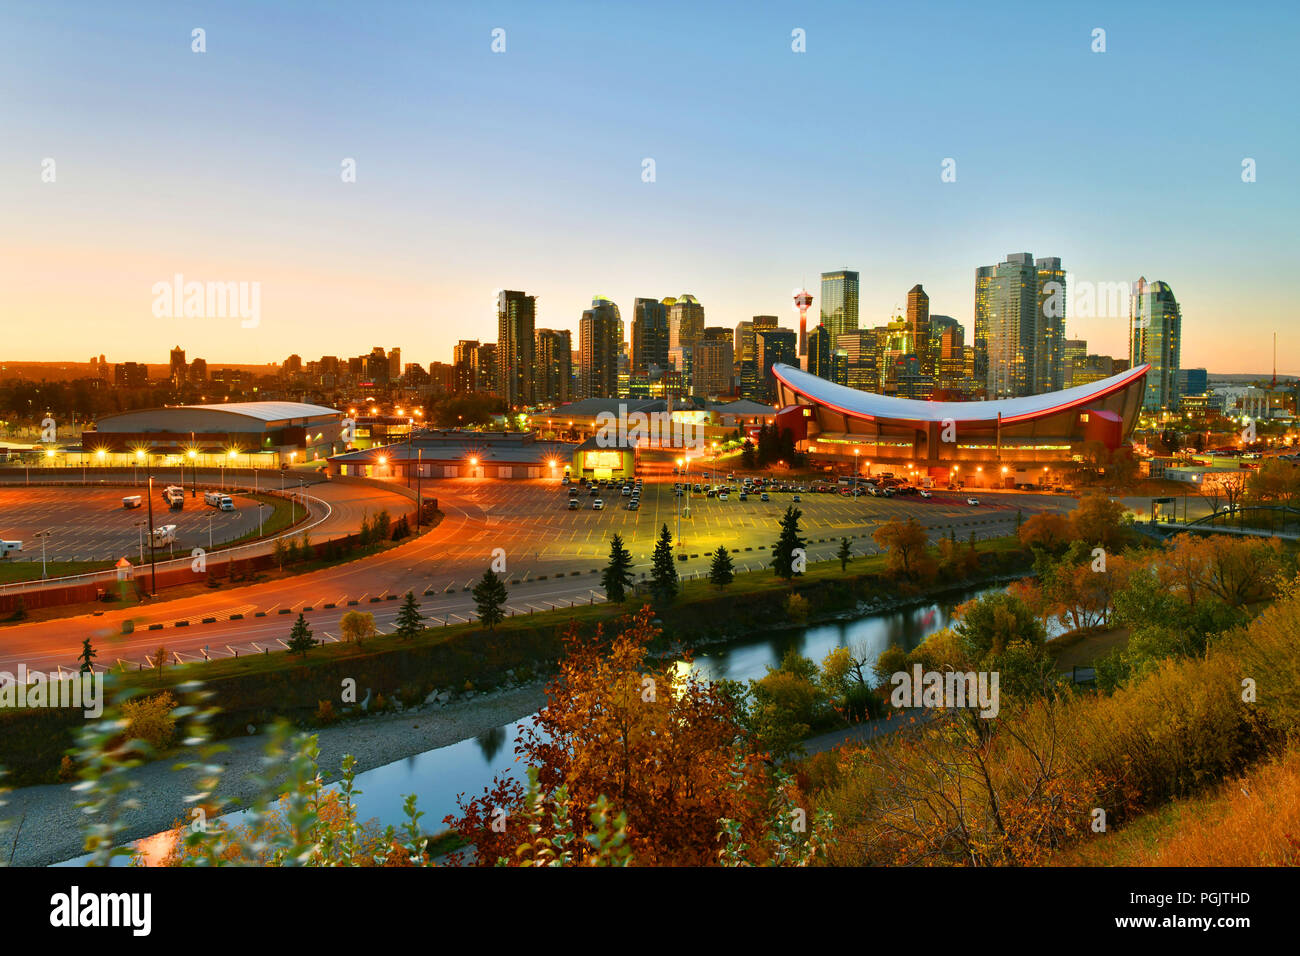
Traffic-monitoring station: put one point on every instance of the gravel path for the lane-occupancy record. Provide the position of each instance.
(44, 821)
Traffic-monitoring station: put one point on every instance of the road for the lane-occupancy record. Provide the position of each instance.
(552, 557)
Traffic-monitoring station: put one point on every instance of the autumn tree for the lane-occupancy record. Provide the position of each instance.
(357, 626)
(1098, 522)
(658, 744)
(617, 576)
(1047, 530)
(906, 549)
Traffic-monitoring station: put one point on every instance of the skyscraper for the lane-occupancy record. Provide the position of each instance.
(600, 331)
(1155, 336)
(1020, 325)
(685, 321)
(649, 336)
(1051, 309)
(552, 365)
(713, 366)
(178, 368)
(918, 327)
(839, 308)
(516, 345)
(772, 346)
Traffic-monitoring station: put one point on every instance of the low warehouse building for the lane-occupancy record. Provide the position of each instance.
(456, 453)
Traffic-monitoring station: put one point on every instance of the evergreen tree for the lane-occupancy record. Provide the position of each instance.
(300, 639)
(722, 571)
(409, 618)
(845, 554)
(490, 599)
(663, 573)
(617, 576)
(747, 457)
(787, 543)
(88, 654)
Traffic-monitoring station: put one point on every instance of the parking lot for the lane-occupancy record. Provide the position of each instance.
(90, 524)
(532, 522)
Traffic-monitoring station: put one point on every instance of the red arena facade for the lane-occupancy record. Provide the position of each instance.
(1002, 441)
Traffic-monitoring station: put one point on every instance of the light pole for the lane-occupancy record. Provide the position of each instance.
(42, 535)
(211, 515)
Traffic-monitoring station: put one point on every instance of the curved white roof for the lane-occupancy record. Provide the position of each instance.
(870, 405)
(267, 411)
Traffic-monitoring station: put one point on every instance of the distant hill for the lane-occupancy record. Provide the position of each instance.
(1247, 378)
(68, 371)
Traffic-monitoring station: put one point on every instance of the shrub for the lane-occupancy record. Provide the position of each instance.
(150, 719)
(325, 713)
(796, 605)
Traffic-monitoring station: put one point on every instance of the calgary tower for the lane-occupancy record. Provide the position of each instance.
(802, 300)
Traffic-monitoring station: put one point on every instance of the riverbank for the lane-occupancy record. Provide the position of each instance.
(45, 824)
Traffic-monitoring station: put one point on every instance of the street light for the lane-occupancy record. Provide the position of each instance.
(43, 535)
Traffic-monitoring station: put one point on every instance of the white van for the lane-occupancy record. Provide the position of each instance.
(10, 547)
(227, 503)
(164, 535)
(213, 498)
(132, 501)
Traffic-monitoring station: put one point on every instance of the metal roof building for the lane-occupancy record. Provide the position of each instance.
(838, 422)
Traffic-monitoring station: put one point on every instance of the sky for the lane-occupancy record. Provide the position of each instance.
(524, 169)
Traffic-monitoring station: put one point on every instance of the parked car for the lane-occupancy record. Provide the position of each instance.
(972, 501)
(723, 495)
(573, 504)
(744, 496)
(564, 480)
(925, 494)
(594, 491)
(627, 491)
(633, 505)
(598, 505)
(797, 498)
(763, 497)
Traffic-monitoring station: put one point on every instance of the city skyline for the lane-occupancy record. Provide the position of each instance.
(162, 187)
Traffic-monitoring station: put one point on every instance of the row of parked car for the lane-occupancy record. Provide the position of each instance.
(630, 491)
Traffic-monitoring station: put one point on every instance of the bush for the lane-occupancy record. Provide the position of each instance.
(796, 605)
(150, 719)
(325, 713)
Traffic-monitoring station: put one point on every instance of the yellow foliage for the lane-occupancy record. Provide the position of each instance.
(150, 719)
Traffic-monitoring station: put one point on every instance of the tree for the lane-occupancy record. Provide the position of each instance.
(787, 543)
(905, 545)
(357, 626)
(300, 639)
(1048, 531)
(722, 571)
(617, 576)
(665, 748)
(993, 622)
(88, 654)
(409, 618)
(748, 460)
(381, 528)
(663, 571)
(490, 599)
(279, 553)
(845, 554)
(1097, 522)
(160, 659)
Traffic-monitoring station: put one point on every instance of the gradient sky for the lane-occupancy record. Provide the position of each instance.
(479, 171)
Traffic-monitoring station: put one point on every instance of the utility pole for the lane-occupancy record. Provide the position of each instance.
(419, 476)
(153, 559)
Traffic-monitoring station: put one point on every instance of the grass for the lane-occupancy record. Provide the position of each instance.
(13, 571)
(280, 518)
(1253, 820)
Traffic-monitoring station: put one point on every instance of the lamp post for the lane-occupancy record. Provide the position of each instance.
(194, 470)
(43, 535)
(153, 558)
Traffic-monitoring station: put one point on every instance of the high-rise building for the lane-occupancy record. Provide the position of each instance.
(839, 308)
(713, 363)
(1020, 326)
(861, 370)
(1074, 351)
(464, 359)
(1155, 336)
(553, 365)
(1051, 312)
(918, 327)
(395, 364)
(1193, 381)
(489, 381)
(773, 346)
(130, 375)
(649, 336)
(198, 371)
(685, 321)
(820, 354)
(178, 368)
(747, 374)
(516, 345)
(600, 330)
